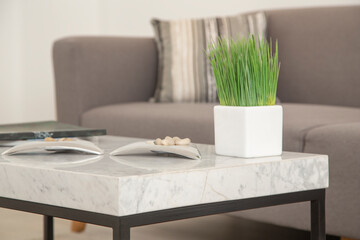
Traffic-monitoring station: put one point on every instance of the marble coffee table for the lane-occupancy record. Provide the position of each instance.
(128, 191)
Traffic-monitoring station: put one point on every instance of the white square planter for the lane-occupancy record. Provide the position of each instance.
(248, 131)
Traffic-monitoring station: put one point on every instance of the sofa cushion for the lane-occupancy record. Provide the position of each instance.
(299, 119)
(319, 51)
(151, 120)
(184, 72)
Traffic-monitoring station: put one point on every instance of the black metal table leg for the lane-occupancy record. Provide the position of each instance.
(48, 228)
(121, 231)
(318, 218)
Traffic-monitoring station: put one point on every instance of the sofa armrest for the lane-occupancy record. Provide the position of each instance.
(97, 71)
(341, 142)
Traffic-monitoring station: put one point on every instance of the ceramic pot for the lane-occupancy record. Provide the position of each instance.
(248, 131)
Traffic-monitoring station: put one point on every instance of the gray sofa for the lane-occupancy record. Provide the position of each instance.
(106, 82)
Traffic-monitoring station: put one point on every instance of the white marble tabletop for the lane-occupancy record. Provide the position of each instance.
(125, 185)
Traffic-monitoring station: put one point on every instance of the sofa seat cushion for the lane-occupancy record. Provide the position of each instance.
(300, 119)
(151, 120)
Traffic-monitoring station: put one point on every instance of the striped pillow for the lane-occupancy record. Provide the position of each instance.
(185, 73)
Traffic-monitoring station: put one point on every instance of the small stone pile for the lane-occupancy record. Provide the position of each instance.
(172, 141)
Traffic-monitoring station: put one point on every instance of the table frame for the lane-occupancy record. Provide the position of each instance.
(121, 225)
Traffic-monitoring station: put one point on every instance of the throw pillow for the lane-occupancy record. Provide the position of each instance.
(185, 73)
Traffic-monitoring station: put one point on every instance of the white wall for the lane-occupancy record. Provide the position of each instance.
(27, 30)
(29, 27)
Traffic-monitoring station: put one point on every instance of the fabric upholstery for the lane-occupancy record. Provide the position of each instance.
(96, 71)
(299, 119)
(319, 51)
(185, 73)
(151, 120)
(341, 142)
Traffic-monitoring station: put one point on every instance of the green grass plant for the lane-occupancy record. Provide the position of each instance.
(246, 71)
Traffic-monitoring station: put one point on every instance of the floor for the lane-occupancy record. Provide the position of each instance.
(15, 225)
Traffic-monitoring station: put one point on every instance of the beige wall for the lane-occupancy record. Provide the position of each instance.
(29, 27)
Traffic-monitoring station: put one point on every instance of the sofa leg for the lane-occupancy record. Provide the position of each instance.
(77, 226)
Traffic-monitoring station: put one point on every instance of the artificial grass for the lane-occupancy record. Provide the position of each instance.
(246, 71)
